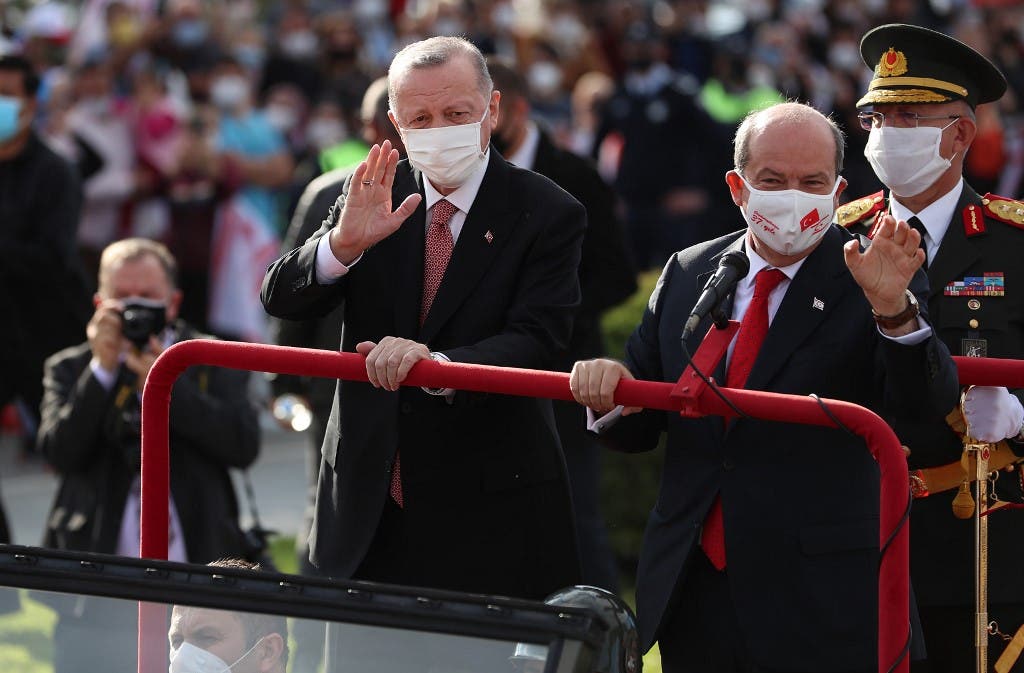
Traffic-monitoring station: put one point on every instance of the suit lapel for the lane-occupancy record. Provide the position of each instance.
(820, 282)
(956, 252)
(410, 240)
(487, 228)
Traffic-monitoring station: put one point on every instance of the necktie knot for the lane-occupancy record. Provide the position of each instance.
(441, 213)
(767, 280)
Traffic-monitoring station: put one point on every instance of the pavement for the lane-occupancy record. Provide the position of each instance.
(28, 485)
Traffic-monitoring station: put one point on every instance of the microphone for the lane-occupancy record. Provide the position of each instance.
(733, 266)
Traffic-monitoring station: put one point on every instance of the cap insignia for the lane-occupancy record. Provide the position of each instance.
(892, 64)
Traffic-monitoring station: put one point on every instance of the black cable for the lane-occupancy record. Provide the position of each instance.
(832, 417)
(903, 653)
(896, 530)
(711, 383)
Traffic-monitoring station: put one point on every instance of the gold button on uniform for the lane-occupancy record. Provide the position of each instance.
(973, 323)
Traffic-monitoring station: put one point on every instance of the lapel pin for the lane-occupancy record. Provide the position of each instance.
(489, 237)
(818, 304)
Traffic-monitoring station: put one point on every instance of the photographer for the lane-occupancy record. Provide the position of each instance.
(90, 434)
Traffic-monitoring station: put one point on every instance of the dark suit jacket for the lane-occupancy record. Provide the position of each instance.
(213, 427)
(942, 546)
(800, 503)
(484, 483)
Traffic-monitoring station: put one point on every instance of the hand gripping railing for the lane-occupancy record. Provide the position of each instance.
(691, 400)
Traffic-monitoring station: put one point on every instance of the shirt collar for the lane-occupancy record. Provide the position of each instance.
(936, 216)
(757, 263)
(526, 155)
(463, 197)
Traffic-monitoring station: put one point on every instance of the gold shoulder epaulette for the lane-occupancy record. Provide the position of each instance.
(860, 210)
(1004, 209)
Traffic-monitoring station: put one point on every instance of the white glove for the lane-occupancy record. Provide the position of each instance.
(993, 414)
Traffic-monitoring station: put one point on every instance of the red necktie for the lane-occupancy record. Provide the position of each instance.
(753, 329)
(437, 252)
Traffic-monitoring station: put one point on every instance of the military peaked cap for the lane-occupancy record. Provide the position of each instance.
(917, 65)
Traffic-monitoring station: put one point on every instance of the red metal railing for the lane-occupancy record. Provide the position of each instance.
(893, 583)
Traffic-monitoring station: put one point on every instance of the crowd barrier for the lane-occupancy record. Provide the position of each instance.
(690, 396)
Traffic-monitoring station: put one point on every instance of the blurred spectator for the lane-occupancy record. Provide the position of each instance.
(99, 124)
(589, 96)
(327, 134)
(90, 433)
(294, 58)
(248, 140)
(42, 289)
(287, 110)
(252, 156)
(607, 277)
(671, 157)
(344, 79)
(728, 95)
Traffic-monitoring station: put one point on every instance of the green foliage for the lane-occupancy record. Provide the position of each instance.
(282, 552)
(26, 638)
(629, 483)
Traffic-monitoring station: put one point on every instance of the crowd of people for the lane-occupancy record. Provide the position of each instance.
(158, 153)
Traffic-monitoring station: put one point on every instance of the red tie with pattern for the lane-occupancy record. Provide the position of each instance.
(753, 329)
(437, 252)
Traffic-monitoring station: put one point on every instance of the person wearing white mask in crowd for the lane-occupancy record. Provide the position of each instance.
(248, 141)
(454, 255)
(758, 555)
(205, 640)
(919, 111)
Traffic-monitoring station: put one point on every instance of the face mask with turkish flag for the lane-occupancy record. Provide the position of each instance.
(789, 221)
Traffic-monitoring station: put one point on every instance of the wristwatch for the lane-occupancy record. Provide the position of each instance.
(903, 317)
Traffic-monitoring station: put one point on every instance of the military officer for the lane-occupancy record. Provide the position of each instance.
(920, 113)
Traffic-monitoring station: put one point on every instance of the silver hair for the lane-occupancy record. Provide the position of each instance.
(435, 51)
(792, 112)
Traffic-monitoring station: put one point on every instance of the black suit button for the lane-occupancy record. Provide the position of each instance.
(406, 408)
(299, 284)
(728, 464)
(387, 467)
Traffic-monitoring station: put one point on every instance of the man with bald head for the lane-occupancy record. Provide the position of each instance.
(762, 551)
(477, 264)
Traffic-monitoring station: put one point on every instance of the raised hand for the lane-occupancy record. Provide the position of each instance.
(367, 217)
(885, 268)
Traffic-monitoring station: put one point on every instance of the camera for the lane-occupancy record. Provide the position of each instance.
(142, 318)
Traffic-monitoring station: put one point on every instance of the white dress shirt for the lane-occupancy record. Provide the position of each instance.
(526, 155)
(935, 217)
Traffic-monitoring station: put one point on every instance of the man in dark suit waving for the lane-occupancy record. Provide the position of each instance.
(761, 553)
(477, 264)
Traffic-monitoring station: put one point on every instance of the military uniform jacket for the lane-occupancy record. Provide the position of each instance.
(983, 240)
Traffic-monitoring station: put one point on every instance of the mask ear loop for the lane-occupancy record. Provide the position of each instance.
(247, 652)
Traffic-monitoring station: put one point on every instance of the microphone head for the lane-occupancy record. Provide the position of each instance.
(736, 259)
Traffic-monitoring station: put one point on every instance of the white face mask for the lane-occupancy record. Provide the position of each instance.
(191, 659)
(447, 155)
(789, 221)
(229, 91)
(907, 160)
